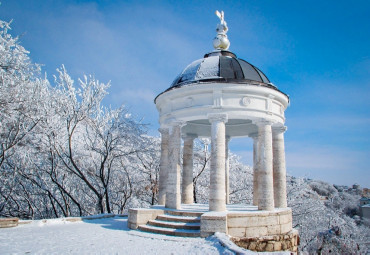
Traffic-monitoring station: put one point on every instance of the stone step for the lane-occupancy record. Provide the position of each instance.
(175, 225)
(170, 231)
(175, 218)
(185, 213)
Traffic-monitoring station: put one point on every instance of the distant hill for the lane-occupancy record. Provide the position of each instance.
(328, 217)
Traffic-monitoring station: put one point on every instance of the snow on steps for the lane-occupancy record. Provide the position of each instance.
(170, 231)
(175, 223)
(184, 213)
(175, 218)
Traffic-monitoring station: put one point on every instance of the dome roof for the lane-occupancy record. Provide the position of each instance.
(221, 66)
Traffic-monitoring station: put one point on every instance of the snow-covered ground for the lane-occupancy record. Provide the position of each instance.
(99, 236)
(106, 236)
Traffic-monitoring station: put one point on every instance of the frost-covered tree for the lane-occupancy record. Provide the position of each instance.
(93, 140)
(148, 167)
(201, 170)
(240, 175)
(21, 112)
(20, 93)
(62, 153)
(241, 181)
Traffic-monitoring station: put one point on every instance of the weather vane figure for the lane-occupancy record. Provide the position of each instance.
(220, 42)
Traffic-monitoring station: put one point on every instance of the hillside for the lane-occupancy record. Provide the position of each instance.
(327, 217)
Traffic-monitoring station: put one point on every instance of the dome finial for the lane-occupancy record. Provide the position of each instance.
(220, 42)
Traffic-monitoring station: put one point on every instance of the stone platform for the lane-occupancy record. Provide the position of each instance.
(242, 221)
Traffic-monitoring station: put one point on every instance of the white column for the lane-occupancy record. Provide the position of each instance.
(163, 167)
(187, 170)
(255, 169)
(264, 161)
(173, 195)
(217, 194)
(279, 167)
(227, 170)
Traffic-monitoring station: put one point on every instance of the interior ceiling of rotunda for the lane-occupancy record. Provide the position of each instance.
(234, 128)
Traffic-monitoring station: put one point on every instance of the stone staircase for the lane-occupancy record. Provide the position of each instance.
(175, 223)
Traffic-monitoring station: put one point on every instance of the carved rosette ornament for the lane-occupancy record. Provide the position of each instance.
(246, 101)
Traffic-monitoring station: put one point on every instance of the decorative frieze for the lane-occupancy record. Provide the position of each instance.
(245, 101)
(217, 99)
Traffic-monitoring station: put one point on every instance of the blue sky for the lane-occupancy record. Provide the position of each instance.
(315, 51)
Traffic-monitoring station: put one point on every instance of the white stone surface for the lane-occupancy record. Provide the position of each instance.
(140, 216)
(259, 223)
(255, 169)
(173, 195)
(163, 168)
(217, 194)
(211, 223)
(227, 170)
(279, 168)
(265, 171)
(187, 170)
(174, 104)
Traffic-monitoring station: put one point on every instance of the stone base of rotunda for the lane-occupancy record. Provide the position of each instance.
(248, 227)
(254, 230)
(141, 216)
(259, 223)
(282, 242)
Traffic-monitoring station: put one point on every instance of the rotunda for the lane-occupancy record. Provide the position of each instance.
(221, 97)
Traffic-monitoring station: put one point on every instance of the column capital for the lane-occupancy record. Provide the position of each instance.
(164, 130)
(254, 135)
(175, 123)
(213, 117)
(228, 138)
(170, 122)
(279, 129)
(262, 122)
(188, 136)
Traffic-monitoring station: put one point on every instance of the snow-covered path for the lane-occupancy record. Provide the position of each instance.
(100, 236)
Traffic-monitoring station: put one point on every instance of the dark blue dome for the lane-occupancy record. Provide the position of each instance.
(220, 66)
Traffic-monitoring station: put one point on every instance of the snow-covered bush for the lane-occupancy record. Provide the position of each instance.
(323, 188)
(317, 218)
